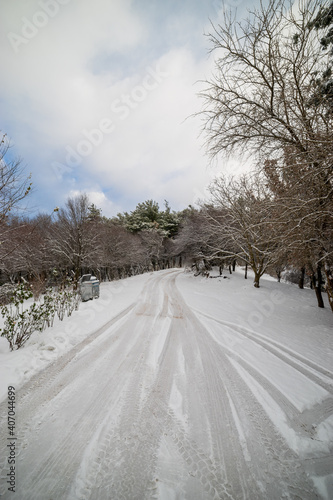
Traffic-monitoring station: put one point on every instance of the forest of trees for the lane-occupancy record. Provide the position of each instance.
(271, 97)
(77, 239)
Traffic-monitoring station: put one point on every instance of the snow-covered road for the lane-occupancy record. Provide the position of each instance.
(166, 401)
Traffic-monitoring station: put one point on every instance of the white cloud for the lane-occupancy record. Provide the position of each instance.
(50, 74)
(90, 62)
(155, 141)
(99, 199)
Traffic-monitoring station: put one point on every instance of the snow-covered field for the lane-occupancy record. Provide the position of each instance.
(175, 387)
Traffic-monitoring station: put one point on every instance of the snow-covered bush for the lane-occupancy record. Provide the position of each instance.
(66, 302)
(18, 321)
(21, 321)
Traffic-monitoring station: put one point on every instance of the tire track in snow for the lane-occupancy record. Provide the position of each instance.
(109, 413)
(313, 371)
(70, 429)
(129, 450)
(303, 422)
(54, 387)
(219, 383)
(44, 386)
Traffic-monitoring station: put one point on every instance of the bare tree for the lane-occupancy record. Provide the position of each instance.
(152, 240)
(240, 224)
(258, 100)
(74, 238)
(123, 252)
(305, 220)
(14, 185)
(261, 102)
(27, 253)
(193, 240)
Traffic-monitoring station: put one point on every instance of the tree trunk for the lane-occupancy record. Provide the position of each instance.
(301, 279)
(329, 284)
(256, 280)
(319, 297)
(234, 265)
(230, 271)
(77, 274)
(245, 276)
(317, 287)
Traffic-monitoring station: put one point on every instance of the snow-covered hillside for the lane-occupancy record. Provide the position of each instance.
(172, 386)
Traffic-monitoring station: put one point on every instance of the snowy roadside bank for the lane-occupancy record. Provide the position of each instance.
(43, 348)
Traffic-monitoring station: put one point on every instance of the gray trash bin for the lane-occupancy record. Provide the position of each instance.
(89, 287)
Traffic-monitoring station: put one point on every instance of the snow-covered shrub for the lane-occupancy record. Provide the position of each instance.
(18, 321)
(66, 302)
(49, 307)
(21, 321)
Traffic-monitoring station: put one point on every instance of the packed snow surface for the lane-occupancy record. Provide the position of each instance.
(172, 387)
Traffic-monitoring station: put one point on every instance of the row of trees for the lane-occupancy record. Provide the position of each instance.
(78, 239)
(241, 223)
(272, 97)
(244, 223)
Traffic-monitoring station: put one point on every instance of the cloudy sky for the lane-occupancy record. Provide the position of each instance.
(97, 97)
